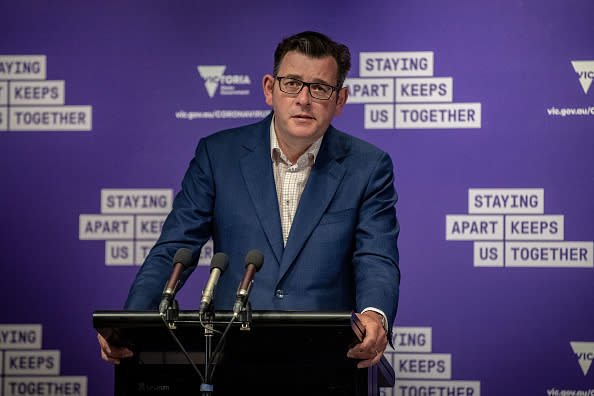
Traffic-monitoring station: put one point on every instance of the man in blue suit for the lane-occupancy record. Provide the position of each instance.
(317, 202)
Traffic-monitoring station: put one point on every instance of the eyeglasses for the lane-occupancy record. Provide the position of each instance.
(293, 86)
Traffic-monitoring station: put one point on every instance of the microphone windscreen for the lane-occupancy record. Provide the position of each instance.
(183, 256)
(254, 257)
(220, 261)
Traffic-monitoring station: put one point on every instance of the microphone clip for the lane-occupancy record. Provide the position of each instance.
(171, 314)
(208, 316)
(245, 317)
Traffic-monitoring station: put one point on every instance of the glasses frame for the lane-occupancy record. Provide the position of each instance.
(305, 84)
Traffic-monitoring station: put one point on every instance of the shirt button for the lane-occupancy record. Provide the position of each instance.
(279, 293)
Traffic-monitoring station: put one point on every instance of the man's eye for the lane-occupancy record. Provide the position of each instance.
(320, 88)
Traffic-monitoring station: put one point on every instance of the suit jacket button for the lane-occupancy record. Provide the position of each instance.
(279, 293)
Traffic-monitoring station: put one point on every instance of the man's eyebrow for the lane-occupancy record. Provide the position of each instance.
(315, 80)
(320, 81)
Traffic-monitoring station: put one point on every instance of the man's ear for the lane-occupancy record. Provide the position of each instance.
(342, 96)
(267, 87)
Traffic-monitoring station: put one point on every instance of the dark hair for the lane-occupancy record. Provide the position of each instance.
(315, 45)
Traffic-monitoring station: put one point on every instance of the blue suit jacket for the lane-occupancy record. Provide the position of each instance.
(341, 253)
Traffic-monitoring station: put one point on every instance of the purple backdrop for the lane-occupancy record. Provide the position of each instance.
(485, 107)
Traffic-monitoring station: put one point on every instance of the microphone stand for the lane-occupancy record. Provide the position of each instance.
(206, 388)
(245, 318)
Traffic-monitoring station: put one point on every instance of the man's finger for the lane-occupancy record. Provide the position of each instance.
(370, 362)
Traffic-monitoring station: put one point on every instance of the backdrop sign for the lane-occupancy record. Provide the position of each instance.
(486, 108)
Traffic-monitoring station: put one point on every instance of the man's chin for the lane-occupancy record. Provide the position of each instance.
(304, 132)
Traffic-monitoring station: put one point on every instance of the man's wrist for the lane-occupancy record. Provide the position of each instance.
(381, 315)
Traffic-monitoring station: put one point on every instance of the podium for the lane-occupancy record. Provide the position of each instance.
(268, 353)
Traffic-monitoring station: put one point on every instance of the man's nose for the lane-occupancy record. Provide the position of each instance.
(304, 97)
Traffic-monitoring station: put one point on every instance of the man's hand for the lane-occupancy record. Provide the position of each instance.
(371, 349)
(110, 353)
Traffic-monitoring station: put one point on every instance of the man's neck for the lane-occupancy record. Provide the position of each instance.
(294, 148)
(293, 151)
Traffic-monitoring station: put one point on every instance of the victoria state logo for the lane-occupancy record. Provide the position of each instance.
(214, 76)
(585, 72)
(585, 354)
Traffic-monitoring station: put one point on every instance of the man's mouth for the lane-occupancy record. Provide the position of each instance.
(303, 116)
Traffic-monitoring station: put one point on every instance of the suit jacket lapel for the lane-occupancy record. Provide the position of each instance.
(256, 167)
(326, 175)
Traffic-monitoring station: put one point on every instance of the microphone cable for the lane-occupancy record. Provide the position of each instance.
(217, 349)
(181, 347)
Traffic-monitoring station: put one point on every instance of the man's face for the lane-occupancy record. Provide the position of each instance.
(300, 119)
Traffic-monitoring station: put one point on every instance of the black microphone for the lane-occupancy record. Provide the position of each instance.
(253, 262)
(181, 261)
(218, 265)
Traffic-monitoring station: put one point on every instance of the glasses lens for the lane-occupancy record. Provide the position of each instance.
(290, 85)
(320, 91)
